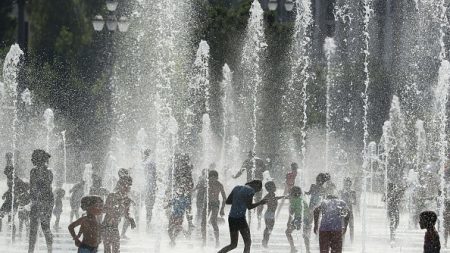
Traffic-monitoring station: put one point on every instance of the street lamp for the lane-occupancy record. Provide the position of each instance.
(112, 21)
(111, 5)
(288, 5)
(124, 23)
(273, 5)
(98, 23)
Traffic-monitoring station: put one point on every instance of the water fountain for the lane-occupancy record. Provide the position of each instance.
(63, 136)
(208, 150)
(421, 145)
(49, 119)
(251, 66)
(197, 104)
(10, 100)
(330, 50)
(301, 69)
(228, 111)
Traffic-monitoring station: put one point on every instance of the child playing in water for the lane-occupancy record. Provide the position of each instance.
(214, 190)
(269, 216)
(348, 195)
(117, 205)
(298, 210)
(58, 208)
(77, 192)
(431, 243)
(90, 228)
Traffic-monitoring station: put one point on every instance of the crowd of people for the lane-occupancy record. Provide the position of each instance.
(329, 213)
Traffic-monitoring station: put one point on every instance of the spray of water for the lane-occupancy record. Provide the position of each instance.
(302, 42)
(49, 119)
(63, 136)
(10, 69)
(367, 16)
(441, 100)
(227, 106)
(254, 47)
(330, 50)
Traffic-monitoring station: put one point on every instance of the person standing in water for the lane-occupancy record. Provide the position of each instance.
(269, 216)
(241, 199)
(77, 193)
(393, 199)
(41, 194)
(215, 189)
(348, 195)
(150, 186)
(335, 216)
(288, 184)
(431, 243)
(117, 205)
(298, 212)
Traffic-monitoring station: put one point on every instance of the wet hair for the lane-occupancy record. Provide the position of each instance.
(348, 180)
(255, 184)
(428, 218)
(213, 173)
(39, 156)
(294, 166)
(125, 181)
(295, 191)
(147, 152)
(9, 171)
(59, 193)
(123, 172)
(321, 178)
(90, 201)
(270, 186)
(9, 156)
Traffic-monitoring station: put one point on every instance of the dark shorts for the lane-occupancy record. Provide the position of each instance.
(87, 249)
(237, 224)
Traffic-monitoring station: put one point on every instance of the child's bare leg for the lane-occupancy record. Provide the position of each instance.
(289, 237)
(107, 246)
(214, 214)
(115, 247)
(269, 227)
(446, 232)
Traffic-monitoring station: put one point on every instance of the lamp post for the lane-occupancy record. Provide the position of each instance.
(288, 5)
(112, 21)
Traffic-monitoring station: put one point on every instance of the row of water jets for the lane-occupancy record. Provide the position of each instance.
(168, 130)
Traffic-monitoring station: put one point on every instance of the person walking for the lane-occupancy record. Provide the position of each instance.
(241, 199)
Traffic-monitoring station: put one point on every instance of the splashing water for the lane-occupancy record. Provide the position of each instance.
(254, 47)
(330, 50)
(49, 119)
(227, 105)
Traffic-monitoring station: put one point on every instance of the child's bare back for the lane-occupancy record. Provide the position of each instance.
(90, 229)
